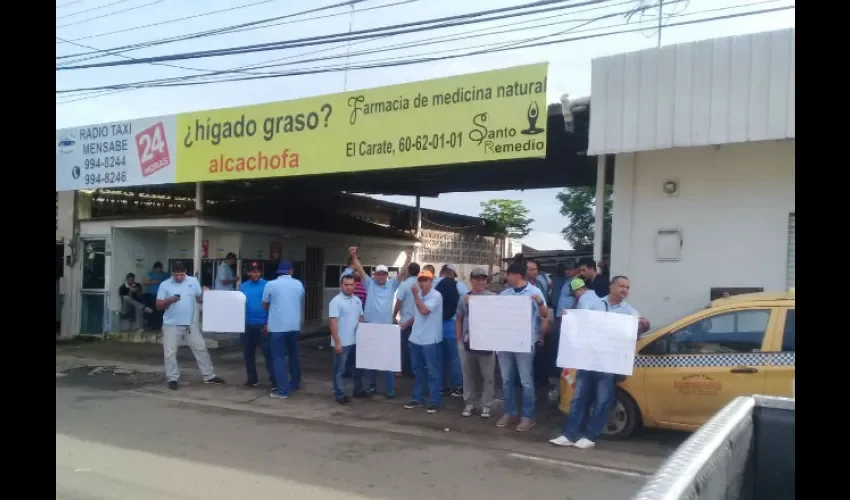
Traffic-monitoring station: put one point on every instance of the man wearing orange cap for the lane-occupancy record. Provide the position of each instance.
(425, 338)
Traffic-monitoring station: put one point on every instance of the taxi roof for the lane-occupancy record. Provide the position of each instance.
(755, 297)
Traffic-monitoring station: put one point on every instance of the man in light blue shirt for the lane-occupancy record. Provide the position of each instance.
(177, 297)
(256, 332)
(404, 309)
(283, 298)
(593, 387)
(512, 364)
(380, 302)
(224, 278)
(345, 312)
(425, 338)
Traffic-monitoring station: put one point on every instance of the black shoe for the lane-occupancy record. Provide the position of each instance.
(173, 385)
(250, 384)
(215, 380)
(432, 409)
(361, 394)
(343, 400)
(456, 393)
(414, 404)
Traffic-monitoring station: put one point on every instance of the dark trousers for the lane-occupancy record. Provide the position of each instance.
(406, 367)
(253, 338)
(546, 356)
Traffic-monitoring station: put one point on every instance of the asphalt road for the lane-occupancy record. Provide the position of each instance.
(116, 445)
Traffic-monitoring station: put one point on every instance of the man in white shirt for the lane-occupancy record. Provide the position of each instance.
(177, 297)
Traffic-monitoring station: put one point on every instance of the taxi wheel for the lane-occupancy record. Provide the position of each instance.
(624, 418)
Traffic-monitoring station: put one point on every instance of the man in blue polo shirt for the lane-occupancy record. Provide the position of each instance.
(512, 364)
(345, 312)
(283, 298)
(592, 387)
(256, 334)
(177, 297)
(379, 308)
(425, 338)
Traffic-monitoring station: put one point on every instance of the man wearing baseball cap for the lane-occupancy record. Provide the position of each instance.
(379, 308)
(256, 333)
(452, 290)
(425, 341)
(479, 367)
(283, 298)
(512, 364)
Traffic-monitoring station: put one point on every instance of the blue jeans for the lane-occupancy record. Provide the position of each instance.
(252, 338)
(425, 360)
(340, 360)
(284, 349)
(512, 364)
(452, 373)
(389, 381)
(594, 388)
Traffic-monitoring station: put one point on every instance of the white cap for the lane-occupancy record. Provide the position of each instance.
(382, 269)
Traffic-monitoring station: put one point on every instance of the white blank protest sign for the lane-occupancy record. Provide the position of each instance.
(500, 323)
(224, 311)
(378, 347)
(598, 341)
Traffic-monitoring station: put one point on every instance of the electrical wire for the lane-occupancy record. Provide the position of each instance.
(89, 19)
(216, 31)
(91, 9)
(72, 2)
(520, 45)
(469, 18)
(204, 14)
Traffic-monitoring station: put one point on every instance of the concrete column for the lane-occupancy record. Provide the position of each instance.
(599, 211)
(417, 249)
(199, 238)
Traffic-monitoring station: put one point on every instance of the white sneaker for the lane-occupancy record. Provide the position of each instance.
(561, 441)
(584, 444)
(467, 410)
(485, 412)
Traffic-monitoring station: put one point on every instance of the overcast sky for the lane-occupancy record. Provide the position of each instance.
(569, 69)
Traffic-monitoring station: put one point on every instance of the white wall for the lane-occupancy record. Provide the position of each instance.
(732, 208)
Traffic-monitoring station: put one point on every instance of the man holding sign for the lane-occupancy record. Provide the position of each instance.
(512, 364)
(479, 367)
(379, 308)
(593, 386)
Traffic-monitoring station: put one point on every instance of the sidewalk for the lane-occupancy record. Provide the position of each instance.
(314, 403)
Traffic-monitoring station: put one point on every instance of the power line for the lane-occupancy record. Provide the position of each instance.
(523, 45)
(202, 34)
(411, 27)
(89, 19)
(72, 2)
(91, 9)
(204, 14)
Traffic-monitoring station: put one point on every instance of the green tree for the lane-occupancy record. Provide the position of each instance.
(508, 217)
(578, 205)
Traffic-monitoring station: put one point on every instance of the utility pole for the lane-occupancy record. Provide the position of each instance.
(660, 20)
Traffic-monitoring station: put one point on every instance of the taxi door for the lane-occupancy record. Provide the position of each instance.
(693, 371)
(781, 369)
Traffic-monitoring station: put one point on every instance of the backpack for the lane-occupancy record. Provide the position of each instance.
(448, 289)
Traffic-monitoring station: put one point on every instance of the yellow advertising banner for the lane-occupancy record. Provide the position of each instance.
(494, 115)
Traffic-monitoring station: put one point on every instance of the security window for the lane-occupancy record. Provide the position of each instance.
(789, 336)
(732, 332)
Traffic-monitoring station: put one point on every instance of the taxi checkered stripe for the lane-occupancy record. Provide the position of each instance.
(709, 360)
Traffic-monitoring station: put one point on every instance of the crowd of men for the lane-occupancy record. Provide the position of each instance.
(433, 315)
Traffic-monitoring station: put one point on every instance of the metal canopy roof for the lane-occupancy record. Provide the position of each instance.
(565, 165)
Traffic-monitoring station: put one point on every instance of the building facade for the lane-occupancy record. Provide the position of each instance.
(703, 136)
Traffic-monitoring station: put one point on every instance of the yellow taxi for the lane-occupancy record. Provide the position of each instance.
(687, 371)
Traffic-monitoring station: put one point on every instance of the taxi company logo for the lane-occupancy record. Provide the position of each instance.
(66, 145)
